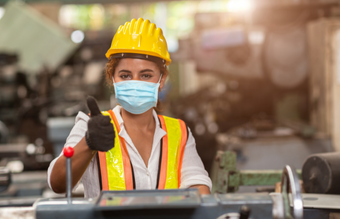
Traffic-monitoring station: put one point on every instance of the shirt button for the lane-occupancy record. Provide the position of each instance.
(147, 173)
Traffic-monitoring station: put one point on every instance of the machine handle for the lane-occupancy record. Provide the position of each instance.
(68, 153)
(290, 180)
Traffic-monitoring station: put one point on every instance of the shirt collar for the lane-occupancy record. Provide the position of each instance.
(117, 110)
(159, 132)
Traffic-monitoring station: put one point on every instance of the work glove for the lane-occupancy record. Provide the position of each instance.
(100, 135)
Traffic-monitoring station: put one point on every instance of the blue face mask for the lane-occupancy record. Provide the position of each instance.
(137, 97)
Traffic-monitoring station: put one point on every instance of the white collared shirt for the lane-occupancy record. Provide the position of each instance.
(193, 171)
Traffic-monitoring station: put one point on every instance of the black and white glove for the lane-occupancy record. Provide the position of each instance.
(100, 135)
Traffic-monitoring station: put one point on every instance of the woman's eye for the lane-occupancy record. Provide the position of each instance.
(146, 76)
(125, 77)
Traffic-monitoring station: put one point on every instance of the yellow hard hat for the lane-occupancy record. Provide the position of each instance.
(139, 37)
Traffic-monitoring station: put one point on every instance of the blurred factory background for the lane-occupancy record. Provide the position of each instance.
(260, 77)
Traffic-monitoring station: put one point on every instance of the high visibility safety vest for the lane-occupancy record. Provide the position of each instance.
(115, 167)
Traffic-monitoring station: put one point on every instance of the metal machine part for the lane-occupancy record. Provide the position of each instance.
(22, 212)
(3, 132)
(188, 203)
(179, 203)
(84, 208)
(24, 188)
(290, 182)
(244, 214)
(321, 201)
(281, 201)
(183, 203)
(321, 173)
(20, 156)
(68, 153)
(226, 178)
(278, 206)
(5, 178)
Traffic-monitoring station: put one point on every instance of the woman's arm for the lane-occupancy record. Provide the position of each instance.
(57, 168)
(99, 135)
(193, 174)
(80, 160)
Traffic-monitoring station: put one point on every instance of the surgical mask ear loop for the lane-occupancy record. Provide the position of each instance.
(114, 86)
(159, 83)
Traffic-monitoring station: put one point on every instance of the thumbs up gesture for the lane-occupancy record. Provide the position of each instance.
(100, 135)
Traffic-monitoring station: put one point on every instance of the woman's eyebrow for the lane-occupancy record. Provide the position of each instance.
(145, 70)
(124, 71)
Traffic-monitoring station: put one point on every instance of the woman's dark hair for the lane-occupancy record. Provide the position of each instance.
(112, 64)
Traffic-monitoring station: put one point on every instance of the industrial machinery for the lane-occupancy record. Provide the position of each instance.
(321, 173)
(226, 178)
(183, 203)
(188, 203)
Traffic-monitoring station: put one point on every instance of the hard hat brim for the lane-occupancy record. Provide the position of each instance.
(115, 51)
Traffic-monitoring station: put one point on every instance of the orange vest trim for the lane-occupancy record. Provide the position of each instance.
(126, 161)
(126, 157)
(103, 170)
(184, 139)
(164, 164)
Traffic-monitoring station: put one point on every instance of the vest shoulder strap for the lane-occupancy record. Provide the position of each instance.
(172, 152)
(115, 166)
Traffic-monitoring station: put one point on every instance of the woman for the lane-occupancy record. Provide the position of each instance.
(130, 147)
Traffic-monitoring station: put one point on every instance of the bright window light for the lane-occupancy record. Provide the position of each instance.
(239, 5)
(67, 15)
(77, 36)
(2, 12)
(172, 44)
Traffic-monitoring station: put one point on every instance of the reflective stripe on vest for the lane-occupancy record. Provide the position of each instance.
(172, 153)
(116, 172)
(115, 167)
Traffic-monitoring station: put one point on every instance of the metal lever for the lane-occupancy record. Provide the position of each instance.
(290, 180)
(68, 153)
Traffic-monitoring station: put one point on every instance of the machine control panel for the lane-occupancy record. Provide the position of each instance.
(149, 199)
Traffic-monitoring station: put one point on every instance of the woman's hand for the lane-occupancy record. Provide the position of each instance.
(100, 135)
(203, 189)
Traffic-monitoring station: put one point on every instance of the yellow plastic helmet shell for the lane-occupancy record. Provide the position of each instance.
(141, 37)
